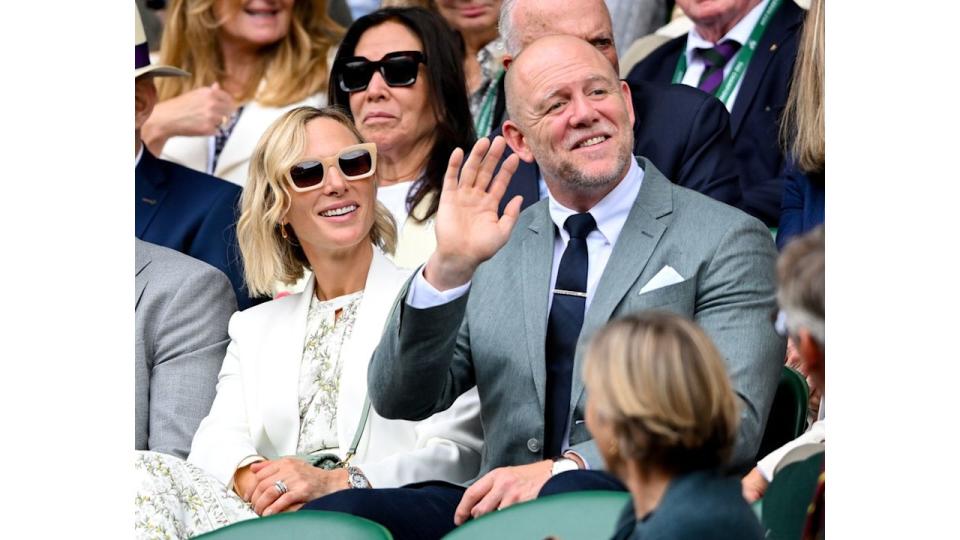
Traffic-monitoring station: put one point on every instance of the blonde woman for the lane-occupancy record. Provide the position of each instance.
(802, 134)
(290, 422)
(664, 417)
(249, 61)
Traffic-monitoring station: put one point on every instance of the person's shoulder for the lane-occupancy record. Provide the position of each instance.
(658, 60)
(171, 263)
(196, 181)
(706, 506)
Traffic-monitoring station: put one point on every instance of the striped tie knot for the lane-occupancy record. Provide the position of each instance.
(715, 59)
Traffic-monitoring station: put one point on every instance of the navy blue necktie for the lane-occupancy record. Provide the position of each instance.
(563, 329)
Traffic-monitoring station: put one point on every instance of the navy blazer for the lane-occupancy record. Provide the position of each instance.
(755, 117)
(193, 213)
(683, 131)
(803, 204)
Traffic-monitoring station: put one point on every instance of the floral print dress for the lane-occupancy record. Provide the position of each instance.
(177, 499)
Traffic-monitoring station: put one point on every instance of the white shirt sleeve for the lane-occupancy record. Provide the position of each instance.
(423, 295)
(816, 434)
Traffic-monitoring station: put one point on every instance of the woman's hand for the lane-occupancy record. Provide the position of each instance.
(304, 483)
(469, 231)
(199, 112)
(754, 485)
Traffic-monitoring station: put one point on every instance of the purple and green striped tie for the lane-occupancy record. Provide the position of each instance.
(715, 60)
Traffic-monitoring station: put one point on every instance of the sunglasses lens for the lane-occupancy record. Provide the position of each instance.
(307, 174)
(356, 162)
(400, 71)
(355, 75)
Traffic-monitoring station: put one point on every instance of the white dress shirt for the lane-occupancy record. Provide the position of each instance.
(610, 214)
(739, 33)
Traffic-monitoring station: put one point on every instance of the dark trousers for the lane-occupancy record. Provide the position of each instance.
(425, 510)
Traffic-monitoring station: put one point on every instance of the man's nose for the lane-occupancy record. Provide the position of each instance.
(582, 111)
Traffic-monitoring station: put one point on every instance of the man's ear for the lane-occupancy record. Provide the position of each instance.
(810, 352)
(517, 142)
(146, 99)
(628, 98)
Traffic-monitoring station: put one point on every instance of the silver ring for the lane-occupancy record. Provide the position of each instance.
(280, 487)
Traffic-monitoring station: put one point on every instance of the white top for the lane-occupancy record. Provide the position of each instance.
(394, 197)
(740, 33)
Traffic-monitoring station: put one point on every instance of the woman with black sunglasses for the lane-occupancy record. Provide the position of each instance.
(291, 422)
(400, 76)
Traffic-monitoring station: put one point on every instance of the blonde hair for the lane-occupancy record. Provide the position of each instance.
(293, 68)
(661, 384)
(268, 257)
(802, 129)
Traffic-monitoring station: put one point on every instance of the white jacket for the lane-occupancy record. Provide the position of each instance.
(256, 409)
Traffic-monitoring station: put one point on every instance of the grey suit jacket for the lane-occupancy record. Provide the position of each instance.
(494, 336)
(182, 309)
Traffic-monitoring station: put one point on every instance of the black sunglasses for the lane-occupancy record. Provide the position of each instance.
(397, 69)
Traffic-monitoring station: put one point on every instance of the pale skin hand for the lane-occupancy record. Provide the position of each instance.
(469, 231)
(198, 112)
(754, 485)
(304, 483)
(501, 488)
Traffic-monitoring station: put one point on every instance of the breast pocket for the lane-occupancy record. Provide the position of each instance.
(679, 298)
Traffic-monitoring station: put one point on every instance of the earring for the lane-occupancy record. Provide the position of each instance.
(283, 230)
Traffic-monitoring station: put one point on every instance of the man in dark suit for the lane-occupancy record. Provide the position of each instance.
(753, 83)
(177, 207)
(683, 132)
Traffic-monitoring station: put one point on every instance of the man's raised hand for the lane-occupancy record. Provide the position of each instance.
(469, 230)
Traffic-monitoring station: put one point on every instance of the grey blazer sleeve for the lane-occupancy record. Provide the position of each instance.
(190, 343)
(423, 362)
(734, 306)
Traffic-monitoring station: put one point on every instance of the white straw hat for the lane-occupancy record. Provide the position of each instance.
(144, 67)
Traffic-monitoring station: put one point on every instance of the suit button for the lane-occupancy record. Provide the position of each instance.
(767, 108)
(533, 445)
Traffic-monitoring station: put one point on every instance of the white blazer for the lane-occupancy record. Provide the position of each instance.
(256, 411)
(234, 161)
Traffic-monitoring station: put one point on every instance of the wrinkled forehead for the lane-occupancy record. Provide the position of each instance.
(561, 71)
(584, 20)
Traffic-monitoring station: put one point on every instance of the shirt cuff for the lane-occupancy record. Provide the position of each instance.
(243, 463)
(423, 295)
(586, 465)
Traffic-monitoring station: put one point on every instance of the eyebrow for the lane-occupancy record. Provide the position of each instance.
(554, 90)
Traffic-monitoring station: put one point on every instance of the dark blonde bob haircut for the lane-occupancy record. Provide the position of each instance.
(268, 257)
(660, 383)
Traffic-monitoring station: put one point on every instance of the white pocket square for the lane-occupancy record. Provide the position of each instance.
(666, 276)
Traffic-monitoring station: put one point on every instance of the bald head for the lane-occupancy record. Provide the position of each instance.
(524, 21)
(547, 52)
(571, 113)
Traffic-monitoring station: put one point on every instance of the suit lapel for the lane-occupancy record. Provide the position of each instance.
(537, 252)
(635, 245)
(150, 188)
(279, 373)
(781, 28)
(141, 279)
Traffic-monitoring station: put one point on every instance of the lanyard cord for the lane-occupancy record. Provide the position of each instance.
(742, 60)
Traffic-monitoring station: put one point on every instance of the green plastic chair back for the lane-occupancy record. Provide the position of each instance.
(788, 497)
(788, 414)
(306, 525)
(586, 515)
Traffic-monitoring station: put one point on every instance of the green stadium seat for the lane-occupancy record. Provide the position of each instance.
(585, 515)
(788, 414)
(307, 525)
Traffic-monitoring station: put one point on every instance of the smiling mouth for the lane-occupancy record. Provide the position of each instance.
(592, 141)
(342, 211)
(260, 12)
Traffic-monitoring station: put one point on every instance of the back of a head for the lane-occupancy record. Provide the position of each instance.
(662, 384)
(802, 284)
(524, 21)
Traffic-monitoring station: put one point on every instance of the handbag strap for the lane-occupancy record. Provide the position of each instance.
(359, 433)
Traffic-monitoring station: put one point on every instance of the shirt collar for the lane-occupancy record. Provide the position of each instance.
(140, 152)
(739, 33)
(490, 58)
(612, 210)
